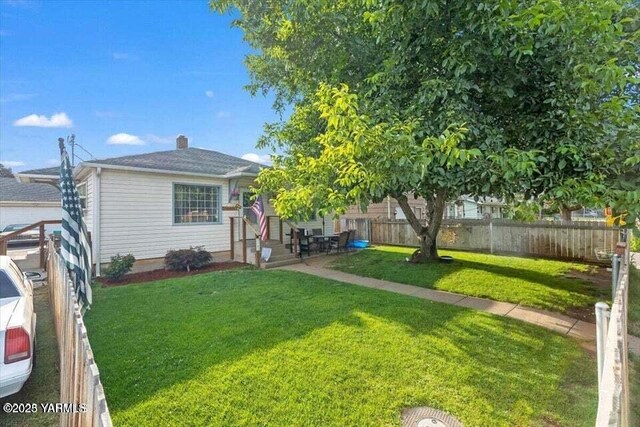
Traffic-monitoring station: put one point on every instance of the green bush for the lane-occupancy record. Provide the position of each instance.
(119, 266)
(186, 259)
(635, 240)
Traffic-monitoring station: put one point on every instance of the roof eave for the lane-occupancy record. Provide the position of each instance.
(29, 177)
(147, 170)
(36, 203)
(240, 174)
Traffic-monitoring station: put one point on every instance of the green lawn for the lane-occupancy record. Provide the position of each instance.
(280, 348)
(528, 281)
(43, 386)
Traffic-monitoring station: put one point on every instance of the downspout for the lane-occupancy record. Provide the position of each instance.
(96, 223)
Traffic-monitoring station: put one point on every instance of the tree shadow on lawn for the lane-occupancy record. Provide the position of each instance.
(537, 288)
(153, 343)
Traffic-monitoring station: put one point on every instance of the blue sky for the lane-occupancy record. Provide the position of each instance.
(125, 77)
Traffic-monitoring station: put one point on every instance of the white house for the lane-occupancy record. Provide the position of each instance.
(27, 203)
(469, 208)
(147, 204)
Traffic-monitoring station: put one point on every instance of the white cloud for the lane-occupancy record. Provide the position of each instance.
(223, 114)
(264, 159)
(124, 139)
(57, 120)
(209, 93)
(12, 163)
(53, 162)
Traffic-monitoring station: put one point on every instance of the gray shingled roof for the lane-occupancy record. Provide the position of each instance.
(45, 171)
(190, 160)
(14, 191)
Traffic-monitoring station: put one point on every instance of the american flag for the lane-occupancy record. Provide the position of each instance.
(258, 209)
(74, 247)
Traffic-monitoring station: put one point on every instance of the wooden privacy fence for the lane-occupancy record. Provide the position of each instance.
(613, 351)
(586, 241)
(79, 377)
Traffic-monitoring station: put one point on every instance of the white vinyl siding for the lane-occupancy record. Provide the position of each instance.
(137, 216)
(471, 210)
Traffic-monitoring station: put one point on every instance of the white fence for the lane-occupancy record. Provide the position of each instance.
(79, 377)
(613, 354)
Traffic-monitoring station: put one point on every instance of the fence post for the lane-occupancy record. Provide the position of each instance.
(258, 251)
(602, 326)
(41, 244)
(615, 270)
(490, 235)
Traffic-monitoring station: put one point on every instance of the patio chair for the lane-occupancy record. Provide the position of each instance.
(340, 243)
(304, 244)
(350, 238)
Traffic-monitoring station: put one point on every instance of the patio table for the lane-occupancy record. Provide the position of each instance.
(321, 240)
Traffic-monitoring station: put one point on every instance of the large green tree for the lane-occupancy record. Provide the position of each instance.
(5, 172)
(436, 99)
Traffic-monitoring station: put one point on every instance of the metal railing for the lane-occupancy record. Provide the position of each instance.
(4, 240)
(613, 349)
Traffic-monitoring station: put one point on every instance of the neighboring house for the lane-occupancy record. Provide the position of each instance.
(27, 203)
(463, 207)
(467, 207)
(147, 204)
(387, 209)
(46, 175)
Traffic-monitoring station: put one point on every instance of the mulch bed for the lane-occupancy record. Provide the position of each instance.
(149, 276)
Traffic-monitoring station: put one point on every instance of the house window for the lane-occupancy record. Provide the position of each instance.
(196, 204)
(82, 195)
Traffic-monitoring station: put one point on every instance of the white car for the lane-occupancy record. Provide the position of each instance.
(17, 327)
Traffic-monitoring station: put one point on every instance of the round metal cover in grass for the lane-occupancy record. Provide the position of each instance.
(428, 417)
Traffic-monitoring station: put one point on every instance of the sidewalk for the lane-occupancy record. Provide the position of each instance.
(584, 332)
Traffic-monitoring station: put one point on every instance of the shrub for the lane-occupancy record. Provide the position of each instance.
(186, 259)
(634, 239)
(119, 266)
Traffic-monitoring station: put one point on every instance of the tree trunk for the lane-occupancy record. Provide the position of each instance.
(427, 235)
(565, 211)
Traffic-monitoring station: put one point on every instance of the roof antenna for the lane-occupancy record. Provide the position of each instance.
(71, 140)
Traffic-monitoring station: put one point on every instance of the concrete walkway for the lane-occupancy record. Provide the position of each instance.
(584, 332)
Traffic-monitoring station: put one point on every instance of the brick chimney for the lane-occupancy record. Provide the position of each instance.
(182, 142)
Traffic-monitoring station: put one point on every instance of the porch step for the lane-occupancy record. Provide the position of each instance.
(280, 263)
(280, 257)
(279, 250)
